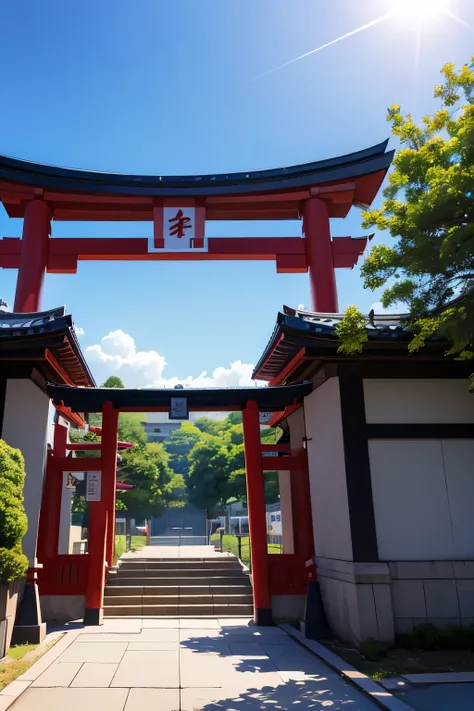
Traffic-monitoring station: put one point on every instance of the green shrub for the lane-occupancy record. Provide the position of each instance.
(13, 521)
(428, 637)
(373, 649)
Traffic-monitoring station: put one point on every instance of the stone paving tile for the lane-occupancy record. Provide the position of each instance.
(15, 688)
(58, 674)
(235, 622)
(148, 670)
(152, 647)
(286, 649)
(438, 697)
(254, 665)
(117, 625)
(158, 635)
(247, 648)
(103, 653)
(153, 700)
(95, 675)
(103, 638)
(208, 699)
(200, 634)
(190, 624)
(205, 670)
(71, 700)
(160, 624)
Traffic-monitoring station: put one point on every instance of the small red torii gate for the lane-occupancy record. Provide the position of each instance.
(178, 207)
(85, 574)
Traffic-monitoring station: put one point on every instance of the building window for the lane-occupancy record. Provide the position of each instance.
(157, 429)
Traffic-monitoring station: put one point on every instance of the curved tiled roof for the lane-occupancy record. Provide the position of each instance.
(344, 167)
(33, 336)
(296, 329)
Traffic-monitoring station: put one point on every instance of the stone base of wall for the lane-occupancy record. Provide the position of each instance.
(62, 608)
(382, 600)
(10, 596)
(356, 599)
(436, 592)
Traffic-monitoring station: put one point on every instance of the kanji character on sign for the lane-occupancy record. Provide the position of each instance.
(179, 224)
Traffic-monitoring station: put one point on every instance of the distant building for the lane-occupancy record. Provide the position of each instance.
(158, 426)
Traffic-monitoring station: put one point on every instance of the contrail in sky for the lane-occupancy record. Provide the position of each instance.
(323, 46)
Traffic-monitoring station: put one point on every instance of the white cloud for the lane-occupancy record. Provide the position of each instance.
(301, 307)
(79, 331)
(379, 309)
(117, 354)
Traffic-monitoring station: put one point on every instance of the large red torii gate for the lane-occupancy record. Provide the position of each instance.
(178, 206)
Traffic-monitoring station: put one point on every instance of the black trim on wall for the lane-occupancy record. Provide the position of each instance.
(420, 431)
(407, 368)
(3, 393)
(358, 480)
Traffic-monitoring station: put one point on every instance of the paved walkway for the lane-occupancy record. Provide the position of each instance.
(183, 665)
(176, 552)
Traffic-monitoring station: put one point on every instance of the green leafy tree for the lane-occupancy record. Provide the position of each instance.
(234, 434)
(13, 521)
(147, 469)
(178, 493)
(429, 212)
(212, 427)
(113, 382)
(208, 473)
(179, 447)
(130, 429)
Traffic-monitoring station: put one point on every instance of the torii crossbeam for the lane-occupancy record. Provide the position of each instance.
(179, 206)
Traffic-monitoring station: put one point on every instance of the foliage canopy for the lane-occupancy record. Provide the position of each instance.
(429, 212)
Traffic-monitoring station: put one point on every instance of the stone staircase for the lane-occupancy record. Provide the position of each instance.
(183, 587)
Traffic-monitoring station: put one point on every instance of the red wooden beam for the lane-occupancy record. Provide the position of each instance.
(86, 446)
(285, 448)
(280, 416)
(78, 464)
(71, 416)
(288, 369)
(288, 252)
(284, 464)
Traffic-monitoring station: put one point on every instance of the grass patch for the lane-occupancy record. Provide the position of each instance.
(424, 650)
(137, 544)
(14, 665)
(231, 543)
(20, 650)
(11, 671)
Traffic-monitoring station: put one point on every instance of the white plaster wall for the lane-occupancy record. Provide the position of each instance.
(416, 401)
(423, 493)
(25, 426)
(287, 539)
(327, 472)
(297, 431)
(65, 518)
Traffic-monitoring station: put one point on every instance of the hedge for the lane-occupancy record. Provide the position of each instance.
(13, 521)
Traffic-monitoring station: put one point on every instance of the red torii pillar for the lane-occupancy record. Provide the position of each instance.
(257, 515)
(322, 275)
(109, 472)
(101, 543)
(34, 256)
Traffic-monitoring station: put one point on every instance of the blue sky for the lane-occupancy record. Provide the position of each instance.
(165, 86)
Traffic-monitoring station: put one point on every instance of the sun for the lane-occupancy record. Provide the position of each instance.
(418, 11)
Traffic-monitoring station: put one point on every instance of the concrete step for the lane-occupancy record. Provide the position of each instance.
(172, 572)
(158, 581)
(227, 610)
(243, 588)
(113, 600)
(163, 564)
